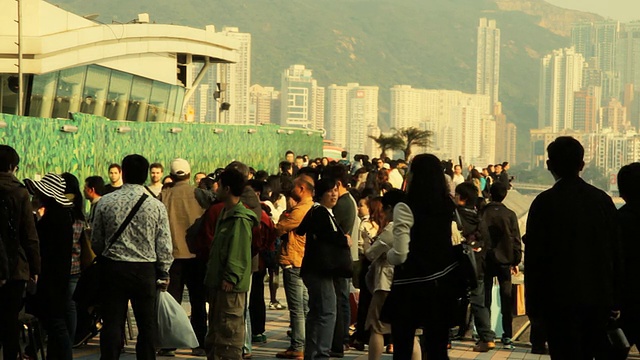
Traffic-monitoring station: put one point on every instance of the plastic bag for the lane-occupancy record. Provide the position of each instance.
(174, 327)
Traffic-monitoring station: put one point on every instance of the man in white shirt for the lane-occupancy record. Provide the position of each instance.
(458, 178)
(395, 178)
(156, 171)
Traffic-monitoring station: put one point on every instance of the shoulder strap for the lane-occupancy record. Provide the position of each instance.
(126, 221)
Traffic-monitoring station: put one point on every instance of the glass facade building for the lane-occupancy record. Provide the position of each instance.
(94, 90)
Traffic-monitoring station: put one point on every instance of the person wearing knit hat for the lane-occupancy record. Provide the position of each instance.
(55, 230)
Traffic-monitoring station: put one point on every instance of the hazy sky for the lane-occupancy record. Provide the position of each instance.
(623, 10)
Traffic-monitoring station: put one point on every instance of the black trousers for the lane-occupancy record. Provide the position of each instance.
(257, 307)
(121, 282)
(503, 273)
(576, 332)
(11, 301)
(190, 272)
(364, 300)
(341, 332)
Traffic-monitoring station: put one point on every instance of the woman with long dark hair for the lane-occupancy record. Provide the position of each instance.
(72, 192)
(423, 290)
(55, 230)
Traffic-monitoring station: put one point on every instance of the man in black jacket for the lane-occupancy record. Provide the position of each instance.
(572, 258)
(503, 256)
(629, 217)
(476, 234)
(19, 239)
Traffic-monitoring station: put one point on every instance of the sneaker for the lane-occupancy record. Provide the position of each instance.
(262, 338)
(276, 306)
(481, 347)
(198, 352)
(166, 352)
(507, 343)
(290, 354)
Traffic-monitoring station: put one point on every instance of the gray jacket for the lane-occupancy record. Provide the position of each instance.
(380, 275)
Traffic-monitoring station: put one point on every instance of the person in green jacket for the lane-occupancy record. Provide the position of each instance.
(229, 270)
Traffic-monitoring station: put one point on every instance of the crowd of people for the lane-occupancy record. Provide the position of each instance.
(387, 230)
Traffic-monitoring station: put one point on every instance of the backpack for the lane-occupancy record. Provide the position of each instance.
(267, 245)
(8, 236)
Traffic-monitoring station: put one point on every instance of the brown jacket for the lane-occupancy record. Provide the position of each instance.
(27, 250)
(183, 210)
(292, 249)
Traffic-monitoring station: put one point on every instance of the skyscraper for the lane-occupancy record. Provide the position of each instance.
(488, 60)
(582, 39)
(302, 100)
(628, 54)
(560, 78)
(614, 117)
(237, 78)
(261, 103)
(585, 109)
(351, 109)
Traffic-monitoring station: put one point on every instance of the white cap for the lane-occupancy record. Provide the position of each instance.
(180, 167)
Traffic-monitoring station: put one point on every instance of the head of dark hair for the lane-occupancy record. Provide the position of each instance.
(9, 158)
(475, 174)
(257, 185)
(498, 191)
(96, 183)
(135, 169)
(338, 172)
(311, 172)
(261, 175)
(448, 167)
(468, 193)
(242, 168)
(158, 166)
(73, 188)
(286, 185)
(115, 166)
(299, 157)
(207, 182)
(325, 184)
(344, 154)
(285, 166)
(305, 157)
(504, 164)
(629, 183)
(392, 198)
(289, 152)
(386, 187)
(233, 179)
(428, 191)
(566, 156)
(274, 185)
(393, 164)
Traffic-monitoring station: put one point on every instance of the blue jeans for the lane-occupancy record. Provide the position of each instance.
(322, 317)
(481, 314)
(298, 302)
(72, 314)
(342, 288)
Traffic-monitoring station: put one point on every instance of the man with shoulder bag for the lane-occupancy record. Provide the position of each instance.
(135, 250)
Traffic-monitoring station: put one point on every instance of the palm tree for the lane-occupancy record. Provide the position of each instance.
(411, 137)
(385, 143)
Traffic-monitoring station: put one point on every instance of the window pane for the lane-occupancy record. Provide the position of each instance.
(158, 103)
(42, 94)
(69, 92)
(118, 97)
(179, 100)
(94, 97)
(171, 105)
(140, 93)
(9, 94)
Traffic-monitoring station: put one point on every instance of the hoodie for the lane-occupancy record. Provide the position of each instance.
(230, 256)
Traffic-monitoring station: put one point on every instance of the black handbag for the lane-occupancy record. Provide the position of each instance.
(87, 293)
(466, 259)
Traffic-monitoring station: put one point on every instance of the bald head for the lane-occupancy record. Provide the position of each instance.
(303, 187)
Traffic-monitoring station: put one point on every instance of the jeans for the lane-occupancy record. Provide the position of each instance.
(503, 273)
(121, 282)
(342, 288)
(11, 302)
(190, 272)
(298, 302)
(257, 307)
(246, 348)
(72, 313)
(322, 317)
(481, 315)
(59, 346)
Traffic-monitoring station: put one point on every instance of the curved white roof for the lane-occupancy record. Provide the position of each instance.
(55, 39)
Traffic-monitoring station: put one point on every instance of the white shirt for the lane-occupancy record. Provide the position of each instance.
(458, 179)
(396, 179)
